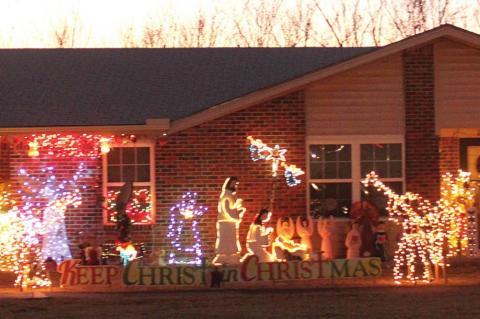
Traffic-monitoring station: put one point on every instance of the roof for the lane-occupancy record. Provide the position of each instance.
(86, 87)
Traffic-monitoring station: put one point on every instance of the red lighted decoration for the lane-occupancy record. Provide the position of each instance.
(73, 145)
(139, 209)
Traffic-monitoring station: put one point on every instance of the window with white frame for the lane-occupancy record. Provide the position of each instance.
(130, 163)
(337, 166)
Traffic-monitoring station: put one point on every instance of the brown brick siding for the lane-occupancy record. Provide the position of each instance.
(422, 145)
(199, 159)
(449, 154)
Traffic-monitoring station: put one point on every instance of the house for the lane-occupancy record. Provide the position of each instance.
(181, 118)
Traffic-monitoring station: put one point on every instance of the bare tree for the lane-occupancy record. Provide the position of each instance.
(297, 28)
(344, 22)
(258, 25)
(262, 23)
(409, 17)
(70, 32)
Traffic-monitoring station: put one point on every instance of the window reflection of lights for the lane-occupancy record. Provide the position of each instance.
(336, 150)
(345, 210)
(313, 155)
(315, 187)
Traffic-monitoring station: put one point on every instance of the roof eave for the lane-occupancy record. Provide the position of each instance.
(152, 127)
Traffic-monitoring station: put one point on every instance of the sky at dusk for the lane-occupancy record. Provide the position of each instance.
(104, 23)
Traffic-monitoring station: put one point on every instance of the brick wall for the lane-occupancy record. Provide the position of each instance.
(200, 158)
(421, 151)
(449, 155)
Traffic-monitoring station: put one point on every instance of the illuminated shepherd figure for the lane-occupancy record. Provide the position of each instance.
(230, 214)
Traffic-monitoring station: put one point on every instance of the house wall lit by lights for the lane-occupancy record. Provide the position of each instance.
(409, 110)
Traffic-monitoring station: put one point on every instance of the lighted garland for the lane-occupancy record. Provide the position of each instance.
(60, 145)
(138, 208)
(181, 214)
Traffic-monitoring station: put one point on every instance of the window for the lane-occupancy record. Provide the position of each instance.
(130, 164)
(337, 166)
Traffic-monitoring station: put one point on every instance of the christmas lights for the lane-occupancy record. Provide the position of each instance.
(138, 209)
(69, 145)
(48, 199)
(185, 215)
(261, 151)
(127, 252)
(291, 174)
(430, 233)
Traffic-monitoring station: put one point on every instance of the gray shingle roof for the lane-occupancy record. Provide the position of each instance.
(58, 87)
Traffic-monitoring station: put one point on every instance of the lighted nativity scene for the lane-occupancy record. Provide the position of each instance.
(34, 239)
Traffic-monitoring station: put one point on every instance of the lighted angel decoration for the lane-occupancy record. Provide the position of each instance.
(258, 237)
(230, 214)
(325, 228)
(353, 242)
(304, 226)
(284, 246)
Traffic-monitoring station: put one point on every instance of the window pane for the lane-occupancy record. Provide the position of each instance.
(330, 199)
(143, 173)
(395, 151)
(344, 152)
(330, 161)
(128, 155)
(143, 155)
(330, 170)
(330, 152)
(386, 160)
(366, 151)
(316, 170)
(395, 169)
(128, 173)
(113, 156)
(114, 174)
(380, 151)
(381, 169)
(139, 208)
(344, 170)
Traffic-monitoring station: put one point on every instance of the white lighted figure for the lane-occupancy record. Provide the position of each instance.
(230, 214)
(305, 231)
(258, 237)
(353, 242)
(284, 247)
(325, 228)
